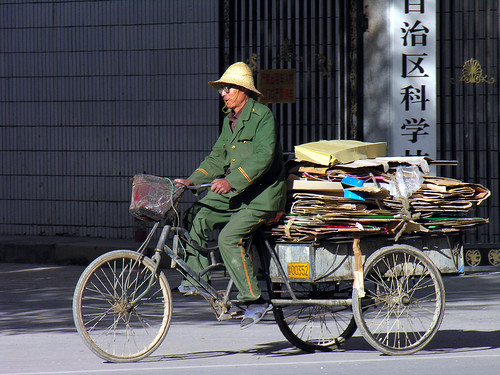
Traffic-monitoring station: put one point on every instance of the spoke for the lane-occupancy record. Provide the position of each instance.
(402, 304)
(315, 325)
(98, 318)
(108, 321)
(137, 286)
(109, 293)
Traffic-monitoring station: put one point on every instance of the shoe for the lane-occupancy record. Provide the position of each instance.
(191, 290)
(254, 313)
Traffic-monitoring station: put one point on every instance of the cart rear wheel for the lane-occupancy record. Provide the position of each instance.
(314, 327)
(404, 302)
(113, 327)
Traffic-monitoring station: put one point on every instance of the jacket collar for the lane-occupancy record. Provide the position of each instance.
(244, 116)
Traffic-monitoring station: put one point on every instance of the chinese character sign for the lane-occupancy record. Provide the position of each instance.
(413, 93)
(277, 86)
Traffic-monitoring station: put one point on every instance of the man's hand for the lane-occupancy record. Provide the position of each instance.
(183, 181)
(221, 186)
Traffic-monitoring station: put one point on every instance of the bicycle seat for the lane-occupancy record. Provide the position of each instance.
(275, 219)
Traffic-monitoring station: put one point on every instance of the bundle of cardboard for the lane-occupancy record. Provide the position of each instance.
(363, 193)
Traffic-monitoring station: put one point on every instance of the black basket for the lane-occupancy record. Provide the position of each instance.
(153, 197)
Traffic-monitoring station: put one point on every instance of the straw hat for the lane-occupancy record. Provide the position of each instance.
(238, 74)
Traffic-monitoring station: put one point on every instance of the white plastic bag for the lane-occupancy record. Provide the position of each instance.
(407, 180)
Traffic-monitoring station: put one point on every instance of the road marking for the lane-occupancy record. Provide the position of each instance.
(137, 370)
(32, 269)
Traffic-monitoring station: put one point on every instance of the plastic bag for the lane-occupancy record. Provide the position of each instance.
(407, 180)
(153, 197)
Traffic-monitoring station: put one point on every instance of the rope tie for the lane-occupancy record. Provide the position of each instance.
(288, 226)
(408, 222)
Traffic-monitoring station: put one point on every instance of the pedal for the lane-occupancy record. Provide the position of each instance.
(224, 317)
(220, 308)
(237, 314)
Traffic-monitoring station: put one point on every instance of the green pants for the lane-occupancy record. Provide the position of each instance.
(237, 225)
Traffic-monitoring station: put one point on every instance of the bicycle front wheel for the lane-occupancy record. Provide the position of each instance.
(111, 324)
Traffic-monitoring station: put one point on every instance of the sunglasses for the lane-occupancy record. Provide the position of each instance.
(225, 89)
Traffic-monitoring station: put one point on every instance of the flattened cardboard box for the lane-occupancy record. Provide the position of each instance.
(294, 183)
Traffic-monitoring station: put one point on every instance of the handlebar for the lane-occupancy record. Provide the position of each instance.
(197, 187)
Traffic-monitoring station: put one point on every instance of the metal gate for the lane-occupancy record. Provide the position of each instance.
(468, 108)
(321, 40)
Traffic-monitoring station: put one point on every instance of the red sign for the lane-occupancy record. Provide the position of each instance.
(277, 86)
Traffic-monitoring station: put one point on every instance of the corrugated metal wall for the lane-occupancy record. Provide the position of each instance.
(92, 92)
(469, 98)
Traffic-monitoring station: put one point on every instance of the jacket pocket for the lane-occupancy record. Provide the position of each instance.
(245, 147)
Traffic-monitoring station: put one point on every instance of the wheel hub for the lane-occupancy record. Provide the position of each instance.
(122, 306)
(405, 300)
(397, 300)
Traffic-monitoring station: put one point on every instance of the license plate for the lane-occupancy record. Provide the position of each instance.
(298, 270)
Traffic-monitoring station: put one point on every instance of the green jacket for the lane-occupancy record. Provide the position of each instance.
(251, 159)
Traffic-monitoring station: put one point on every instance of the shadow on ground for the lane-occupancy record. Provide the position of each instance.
(38, 298)
(35, 299)
(443, 343)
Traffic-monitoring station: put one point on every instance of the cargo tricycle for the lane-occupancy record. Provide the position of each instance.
(321, 292)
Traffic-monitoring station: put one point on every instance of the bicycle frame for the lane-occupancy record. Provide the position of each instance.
(177, 262)
(220, 303)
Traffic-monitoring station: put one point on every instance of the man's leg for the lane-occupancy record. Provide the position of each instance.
(232, 241)
(200, 220)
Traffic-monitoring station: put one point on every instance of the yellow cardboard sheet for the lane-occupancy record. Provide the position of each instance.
(334, 152)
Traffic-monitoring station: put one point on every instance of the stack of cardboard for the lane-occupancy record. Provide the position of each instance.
(380, 195)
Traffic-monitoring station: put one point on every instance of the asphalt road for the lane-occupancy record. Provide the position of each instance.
(37, 335)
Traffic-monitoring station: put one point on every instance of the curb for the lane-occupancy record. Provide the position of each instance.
(58, 249)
